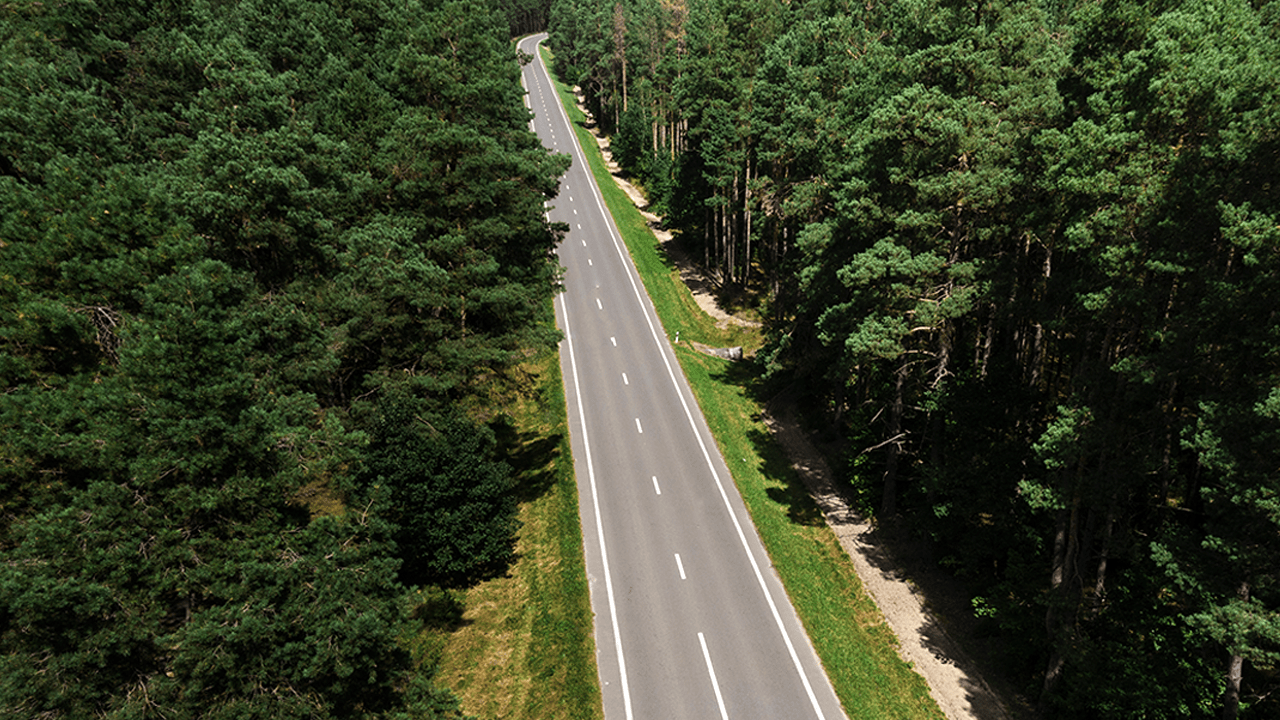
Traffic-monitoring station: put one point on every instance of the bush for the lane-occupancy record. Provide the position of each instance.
(451, 498)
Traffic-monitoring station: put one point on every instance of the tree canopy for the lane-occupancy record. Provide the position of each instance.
(230, 232)
(1023, 256)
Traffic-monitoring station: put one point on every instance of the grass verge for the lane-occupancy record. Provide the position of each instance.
(522, 646)
(856, 646)
(676, 307)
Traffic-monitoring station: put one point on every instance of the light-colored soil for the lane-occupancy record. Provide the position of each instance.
(952, 676)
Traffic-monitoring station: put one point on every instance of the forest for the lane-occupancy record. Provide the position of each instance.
(1021, 261)
(266, 271)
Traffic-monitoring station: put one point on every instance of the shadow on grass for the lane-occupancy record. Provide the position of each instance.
(438, 613)
(951, 632)
(668, 251)
(532, 458)
(789, 492)
(784, 486)
(800, 507)
(438, 608)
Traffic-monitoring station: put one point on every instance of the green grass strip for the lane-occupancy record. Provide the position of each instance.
(562, 660)
(676, 307)
(856, 646)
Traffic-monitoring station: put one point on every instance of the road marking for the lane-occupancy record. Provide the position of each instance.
(724, 714)
(657, 490)
(614, 341)
(595, 497)
(589, 261)
(598, 305)
(625, 381)
(664, 349)
(595, 502)
(680, 565)
(584, 242)
(640, 429)
(575, 211)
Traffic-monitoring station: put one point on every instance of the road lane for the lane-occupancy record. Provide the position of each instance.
(709, 634)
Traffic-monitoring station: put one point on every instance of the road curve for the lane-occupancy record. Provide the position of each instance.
(691, 620)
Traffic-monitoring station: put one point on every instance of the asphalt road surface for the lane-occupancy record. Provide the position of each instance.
(691, 620)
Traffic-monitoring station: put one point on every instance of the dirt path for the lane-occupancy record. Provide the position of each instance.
(953, 677)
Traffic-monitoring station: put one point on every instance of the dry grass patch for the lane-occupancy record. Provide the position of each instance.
(522, 645)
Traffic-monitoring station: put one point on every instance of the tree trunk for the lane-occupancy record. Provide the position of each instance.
(889, 502)
(1231, 697)
(731, 226)
(1104, 552)
(1235, 669)
(1052, 675)
(1060, 618)
(1037, 345)
(982, 349)
(746, 214)
(708, 227)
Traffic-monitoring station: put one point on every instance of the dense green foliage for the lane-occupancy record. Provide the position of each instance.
(229, 232)
(451, 499)
(1024, 256)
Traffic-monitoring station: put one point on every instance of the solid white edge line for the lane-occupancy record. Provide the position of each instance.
(591, 476)
(663, 350)
(715, 685)
(595, 504)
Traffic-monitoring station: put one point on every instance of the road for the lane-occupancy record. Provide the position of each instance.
(691, 620)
